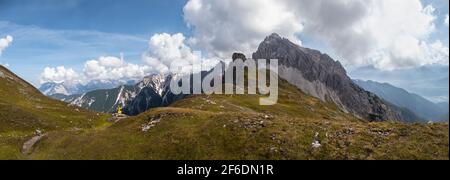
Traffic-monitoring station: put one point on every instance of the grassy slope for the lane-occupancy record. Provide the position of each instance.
(23, 109)
(236, 127)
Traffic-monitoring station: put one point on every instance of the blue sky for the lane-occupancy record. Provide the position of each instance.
(69, 32)
(51, 33)
(139, 17)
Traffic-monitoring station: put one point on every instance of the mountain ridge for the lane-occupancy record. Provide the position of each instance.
(322, 77)
(69, 89)
(402, 98)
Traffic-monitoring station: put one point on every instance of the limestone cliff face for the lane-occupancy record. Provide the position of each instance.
(322, 77)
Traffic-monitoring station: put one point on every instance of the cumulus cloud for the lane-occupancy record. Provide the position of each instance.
(222, 27)
(166, 51)
(113, 68)
(107, 68)
(435, 53)
(384, 33)
(5, 42)
(59, 74)
(391, 35)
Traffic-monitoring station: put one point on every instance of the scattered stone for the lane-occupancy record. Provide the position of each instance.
(211, 102)
(153, 122)
(383, 133)
(267, 116)
(310, 108)
(349, 131)
(147, 127)
(316, 135)
(316, 144)
(273, 150)
(117, 117)
(38, 132)
(273, 137)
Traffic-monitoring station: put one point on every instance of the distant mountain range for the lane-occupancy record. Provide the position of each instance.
(153, 91)
(136, 98)
(54, 88)
(430, 81)
(402, 98)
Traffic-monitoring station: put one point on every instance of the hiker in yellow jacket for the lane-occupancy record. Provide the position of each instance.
(119, 110)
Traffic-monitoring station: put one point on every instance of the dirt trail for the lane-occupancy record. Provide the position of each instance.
(27, 147)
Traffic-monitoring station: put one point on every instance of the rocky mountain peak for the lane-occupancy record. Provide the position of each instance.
(319, 75)
(273, 36)
(155, 81)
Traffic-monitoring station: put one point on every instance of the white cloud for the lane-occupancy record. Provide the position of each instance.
(222, 27)
(384, 33)
(446, 20)
(59, 74)
(435, 53)
(166, 50)
(5, 42)
(106, 68)
(113, 68)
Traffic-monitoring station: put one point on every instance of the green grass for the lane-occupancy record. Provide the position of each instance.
(23, 110)
(193, 134)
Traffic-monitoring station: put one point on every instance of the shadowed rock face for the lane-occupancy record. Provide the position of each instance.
(320, 76)
(155, 92)
(238, 56)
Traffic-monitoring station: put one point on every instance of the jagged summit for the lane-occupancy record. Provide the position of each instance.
(322, 77)
(273, 36)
